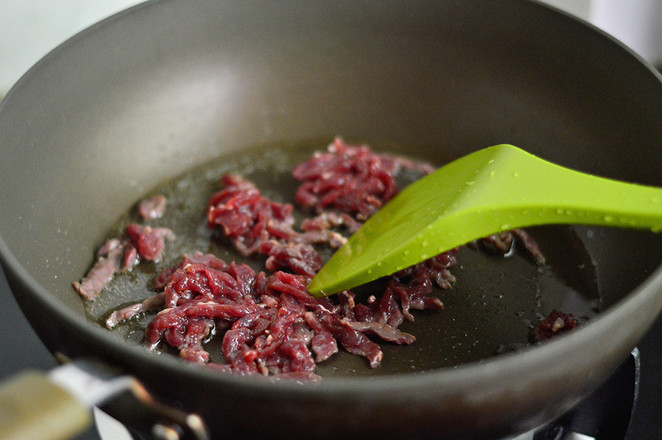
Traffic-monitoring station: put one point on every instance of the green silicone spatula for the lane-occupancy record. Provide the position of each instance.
(492, 190)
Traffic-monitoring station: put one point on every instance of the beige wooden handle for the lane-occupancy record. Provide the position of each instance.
(34, 408)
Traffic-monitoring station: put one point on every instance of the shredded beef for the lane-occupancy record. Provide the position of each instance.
(256, 225)
(529, 245)
(409, 289)
(504, 243)
(274, 325)
(148, 242)
(137, 242)
(555, 324)
(300, 258)
(350, 179)
(109, 260)
(246, 217)
(328, 220)
(152, 303)
(152, 208)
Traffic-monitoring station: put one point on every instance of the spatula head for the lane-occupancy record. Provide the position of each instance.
(407, 230)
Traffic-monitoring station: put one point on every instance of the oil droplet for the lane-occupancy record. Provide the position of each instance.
(405, 252)
(492, 174)
(469, 182)
(424, 243)
(608, 218)
(504, 227)
(516, 174)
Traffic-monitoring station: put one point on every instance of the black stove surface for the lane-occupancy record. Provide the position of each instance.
(603, 416)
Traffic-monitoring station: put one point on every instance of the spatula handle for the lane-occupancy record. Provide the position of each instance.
(579, 198)
(34, 408)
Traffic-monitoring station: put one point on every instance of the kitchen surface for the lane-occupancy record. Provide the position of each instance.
(627, 407)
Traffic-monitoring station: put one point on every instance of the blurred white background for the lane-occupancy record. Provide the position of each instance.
(31, 28)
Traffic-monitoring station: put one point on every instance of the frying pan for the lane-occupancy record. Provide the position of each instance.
(167, 86)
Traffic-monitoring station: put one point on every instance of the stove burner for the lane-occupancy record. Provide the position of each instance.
(604, 415)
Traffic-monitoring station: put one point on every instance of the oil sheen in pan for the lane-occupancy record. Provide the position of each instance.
(492, 308)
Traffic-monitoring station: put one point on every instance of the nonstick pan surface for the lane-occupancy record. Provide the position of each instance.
(168, 86)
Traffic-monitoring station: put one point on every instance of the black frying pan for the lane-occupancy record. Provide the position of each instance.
(156, 91)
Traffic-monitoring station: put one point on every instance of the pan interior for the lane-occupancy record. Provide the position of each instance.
(491, 310)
